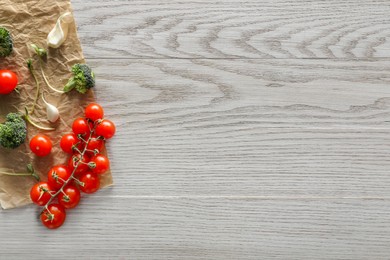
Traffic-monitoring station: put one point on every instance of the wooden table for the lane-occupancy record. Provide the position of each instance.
(246, 130)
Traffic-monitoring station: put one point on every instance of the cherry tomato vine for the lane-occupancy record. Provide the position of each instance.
(62, 190)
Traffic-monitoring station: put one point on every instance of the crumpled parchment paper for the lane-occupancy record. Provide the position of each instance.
(29, 21)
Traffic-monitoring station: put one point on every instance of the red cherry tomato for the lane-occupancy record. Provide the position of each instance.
(95, 144)
(58, 175)
(41, 145)
(91, 182)
(106, 128)
(68, 141)
(99, 164)
(70, 198)
(40, 193)
(82, 166)
(54, 216)
(94, 112)
(80, 127)
(8, 81)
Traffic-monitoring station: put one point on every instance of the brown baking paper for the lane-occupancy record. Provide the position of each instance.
(29, 21)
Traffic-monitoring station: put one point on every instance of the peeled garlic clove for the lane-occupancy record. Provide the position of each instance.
(58, 34)
(52, 112)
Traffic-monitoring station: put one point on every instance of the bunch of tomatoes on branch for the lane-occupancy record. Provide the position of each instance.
(62, 190)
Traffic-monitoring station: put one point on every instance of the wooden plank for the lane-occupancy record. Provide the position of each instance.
(234, 29)
(281, 128)
(116, 227)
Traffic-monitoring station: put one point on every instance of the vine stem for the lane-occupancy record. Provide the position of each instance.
(30, 172)
(15, 174)
(31, 69)
(28, 119)
(82, 139)
(61, 190)
(46, 81)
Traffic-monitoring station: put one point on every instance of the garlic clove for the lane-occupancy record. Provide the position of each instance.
(58, 34)
(52, 112)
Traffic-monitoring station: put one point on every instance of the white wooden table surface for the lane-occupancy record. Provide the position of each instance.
(246, 130)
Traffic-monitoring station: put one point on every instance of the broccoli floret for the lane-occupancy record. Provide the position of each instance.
(13, 131)
(6, 44)
(82, 80)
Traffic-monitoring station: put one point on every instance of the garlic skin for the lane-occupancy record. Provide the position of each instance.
(58, 34)
(52, 112)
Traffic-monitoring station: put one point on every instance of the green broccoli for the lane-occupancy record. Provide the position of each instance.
(13, 131)
(6, 43)
(82, 80)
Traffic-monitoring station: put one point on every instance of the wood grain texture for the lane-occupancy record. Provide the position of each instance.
(249, 128)
(246, 130)
(171, 228)
(234, 29)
